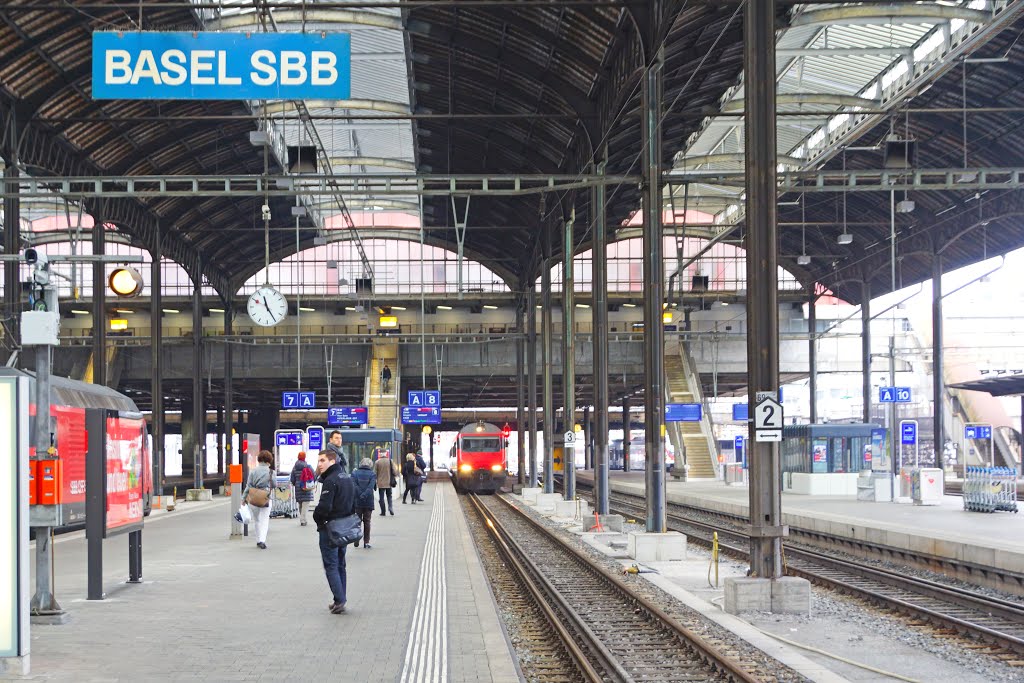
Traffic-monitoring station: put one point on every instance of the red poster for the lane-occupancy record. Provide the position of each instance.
(124, 471)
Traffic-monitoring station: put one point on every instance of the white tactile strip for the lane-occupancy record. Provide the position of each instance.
(426, 655)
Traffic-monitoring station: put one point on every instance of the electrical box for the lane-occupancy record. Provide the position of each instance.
(40, 328)
(234, 474)
(48, 478)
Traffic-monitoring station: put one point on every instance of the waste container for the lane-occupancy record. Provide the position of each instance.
(927, 486)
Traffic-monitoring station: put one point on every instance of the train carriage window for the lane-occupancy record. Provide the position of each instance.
(478, 444)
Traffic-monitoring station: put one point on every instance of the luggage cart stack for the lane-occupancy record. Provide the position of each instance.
(988, 489)
(282, 500)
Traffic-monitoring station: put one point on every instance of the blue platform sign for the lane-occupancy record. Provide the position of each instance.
(740, 412)
(908, 433)
(978, 432)
(740, 450)
(307, 399)
(340, 416)
(416, 399)
(289, 438)
(432, 399)
(683, 412)
(289, 399)
(314, 439)
(205, 65)
(412, 415)
(894, 394)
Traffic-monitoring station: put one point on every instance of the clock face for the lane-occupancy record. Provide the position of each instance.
(267, 306)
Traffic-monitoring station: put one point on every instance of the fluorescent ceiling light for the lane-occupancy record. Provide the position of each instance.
(216, 310)
(490, 307)
(123, 310)
(627, 305)
(398, 308)
(845, 238)
(171, 310)
(350, 308)
(80, 311)
(582, 305)
(444, 308)
(306, 309)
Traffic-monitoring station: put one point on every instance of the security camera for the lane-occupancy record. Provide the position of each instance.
(35, 258)
(266, 212)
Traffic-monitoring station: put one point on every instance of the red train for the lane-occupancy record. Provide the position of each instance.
(126, 431)
(479, 457)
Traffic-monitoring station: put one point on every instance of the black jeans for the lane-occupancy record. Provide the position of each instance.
(381, 493)
(413, 489)
(366, 514)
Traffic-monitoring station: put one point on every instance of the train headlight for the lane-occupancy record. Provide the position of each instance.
(465, 469)
(496, 468)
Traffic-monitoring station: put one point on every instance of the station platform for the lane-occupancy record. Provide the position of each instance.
(214, 608)
(945, 531)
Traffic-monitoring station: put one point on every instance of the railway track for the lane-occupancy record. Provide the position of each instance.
(990, 620)
(607, 631)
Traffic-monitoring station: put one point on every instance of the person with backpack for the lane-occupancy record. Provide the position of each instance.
(303, 479)
(365, 481)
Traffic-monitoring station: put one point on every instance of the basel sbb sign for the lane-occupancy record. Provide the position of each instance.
(220, 66)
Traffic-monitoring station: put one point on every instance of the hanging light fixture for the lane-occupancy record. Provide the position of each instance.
(845, 237)
(803, 259)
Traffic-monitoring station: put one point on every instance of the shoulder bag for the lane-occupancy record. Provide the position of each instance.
(344, 530)
(258, 497)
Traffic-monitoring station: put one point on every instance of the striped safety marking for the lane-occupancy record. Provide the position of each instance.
(426, 656)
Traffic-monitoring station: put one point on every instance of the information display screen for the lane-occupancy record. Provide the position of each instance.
(421, 416)
(340, 416)
(683, 412)
(124, 471)
(740, 412)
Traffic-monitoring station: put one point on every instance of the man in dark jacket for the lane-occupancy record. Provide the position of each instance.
(364, 479)
(385, 379)
(337, 500)
(334, 444)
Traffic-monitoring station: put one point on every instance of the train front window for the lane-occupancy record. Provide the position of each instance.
(479, 444)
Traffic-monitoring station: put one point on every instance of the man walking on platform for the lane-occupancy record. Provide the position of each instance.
(387, 479)
(337, 500)
(334, 444)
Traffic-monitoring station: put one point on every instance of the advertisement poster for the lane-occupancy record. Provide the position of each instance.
(879, 450)
(819, 456)
(124, 471)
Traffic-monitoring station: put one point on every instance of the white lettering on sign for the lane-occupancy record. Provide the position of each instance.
(212, 67)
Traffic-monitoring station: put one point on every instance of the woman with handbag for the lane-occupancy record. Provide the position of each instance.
(257, 494)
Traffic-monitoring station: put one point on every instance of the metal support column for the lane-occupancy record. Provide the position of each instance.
(568, 360)
(588, 439)
(198, 408)
(12, 241)
(547, 349)
(531, 370)
(762, 277)
(99, 306)
(219, 431)
(229, 389)
(938, 385)
(654, 267)
(44, 602)
(601, 402)
(865, 348)
(156, 380)
(812, 352)
(626, 440)
(520, 398)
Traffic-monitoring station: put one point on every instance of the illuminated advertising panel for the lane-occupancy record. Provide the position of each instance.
(124, 471)
(14, 549)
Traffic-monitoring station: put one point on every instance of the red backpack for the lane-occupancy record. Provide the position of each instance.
(308, 480)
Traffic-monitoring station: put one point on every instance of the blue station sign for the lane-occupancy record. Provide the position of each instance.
(683, 412)
(339, 416)
(220, 66)
(978, 432)
(412, 415)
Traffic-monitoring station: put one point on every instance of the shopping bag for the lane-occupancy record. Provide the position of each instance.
(243, 515)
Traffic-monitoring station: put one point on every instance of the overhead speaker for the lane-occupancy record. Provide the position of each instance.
(364, 285)
(301, 159)
(699, 283)
(900, 153)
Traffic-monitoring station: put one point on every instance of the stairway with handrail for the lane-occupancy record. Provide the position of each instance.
(682, 386)
(382, 407)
